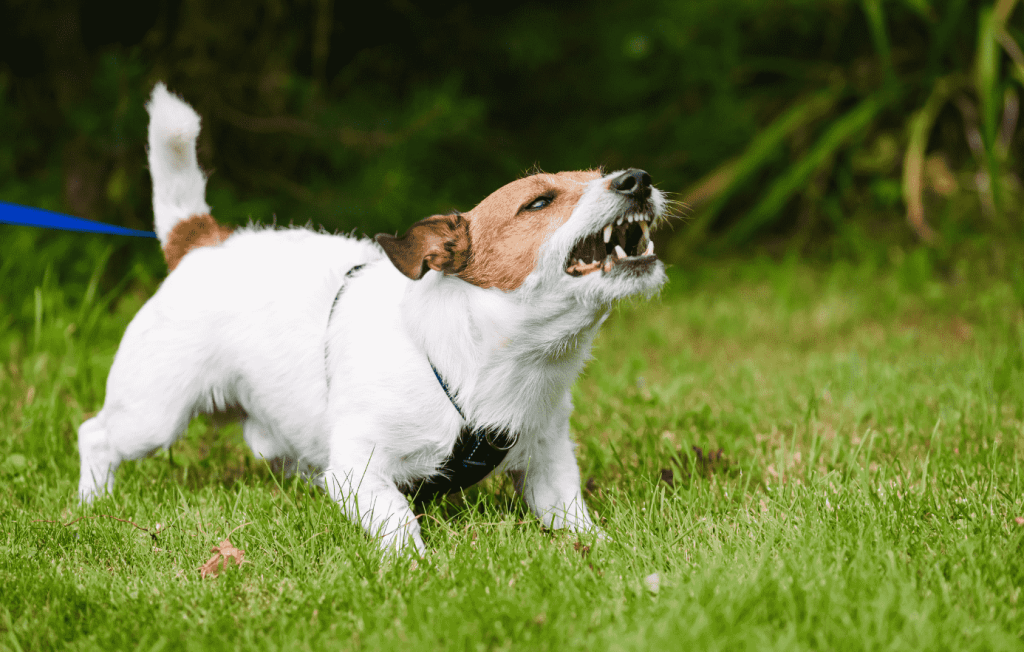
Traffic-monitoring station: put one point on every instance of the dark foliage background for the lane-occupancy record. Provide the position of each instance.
(827, 127)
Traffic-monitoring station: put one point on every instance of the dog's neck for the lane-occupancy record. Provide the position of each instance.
(508, 360)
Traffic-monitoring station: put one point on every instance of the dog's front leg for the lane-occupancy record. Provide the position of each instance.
(357, 483)
(549, 481)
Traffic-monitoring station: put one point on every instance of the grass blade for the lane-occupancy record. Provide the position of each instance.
(719, 186)
(1004, 9)
(923, 8)
(952, 20)
(880, 35)
(90, 292)
(920, 126)
(837, 135)
(987, 73)
(990, 98)
(1013, 50)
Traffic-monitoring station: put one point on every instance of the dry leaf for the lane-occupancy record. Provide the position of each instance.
(222, 554)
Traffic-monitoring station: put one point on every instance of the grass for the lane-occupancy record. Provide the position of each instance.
(807, 457)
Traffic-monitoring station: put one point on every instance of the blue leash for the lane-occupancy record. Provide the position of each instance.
(25, 216)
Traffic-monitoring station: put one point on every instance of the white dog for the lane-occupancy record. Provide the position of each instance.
(379, 367)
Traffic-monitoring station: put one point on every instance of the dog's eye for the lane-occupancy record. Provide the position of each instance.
(538, 203)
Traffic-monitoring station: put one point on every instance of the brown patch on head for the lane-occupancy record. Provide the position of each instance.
(496, 243)
(440, 243)
(506, 234)
(196, 231)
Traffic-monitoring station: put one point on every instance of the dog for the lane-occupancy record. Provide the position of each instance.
(371, 365)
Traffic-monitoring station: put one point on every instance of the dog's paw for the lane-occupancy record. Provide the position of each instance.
(88, 491)
(402, 541)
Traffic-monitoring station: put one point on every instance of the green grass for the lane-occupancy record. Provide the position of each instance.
(844, 446)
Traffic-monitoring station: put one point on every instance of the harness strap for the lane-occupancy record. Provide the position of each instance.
(477, 452)
(344, 284)
(447, 392)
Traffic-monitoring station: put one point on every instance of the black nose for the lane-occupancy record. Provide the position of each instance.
(633, 182)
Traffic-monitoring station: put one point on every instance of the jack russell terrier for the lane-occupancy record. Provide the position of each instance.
(406, 365)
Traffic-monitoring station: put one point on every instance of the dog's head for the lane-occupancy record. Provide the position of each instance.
(585, 233)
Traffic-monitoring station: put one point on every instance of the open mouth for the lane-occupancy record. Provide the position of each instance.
(625, 241)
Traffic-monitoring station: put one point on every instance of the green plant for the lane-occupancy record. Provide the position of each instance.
(898, 97)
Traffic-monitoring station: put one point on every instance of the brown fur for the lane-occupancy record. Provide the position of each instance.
(505, 240)
(440, 243)
(499, 246)
(196, 231)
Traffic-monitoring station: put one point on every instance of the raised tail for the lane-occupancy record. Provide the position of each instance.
(183, 220)
(179, 186)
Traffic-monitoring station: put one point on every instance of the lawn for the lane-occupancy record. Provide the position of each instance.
(785, 455)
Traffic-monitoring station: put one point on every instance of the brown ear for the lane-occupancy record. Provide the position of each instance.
(440, 243)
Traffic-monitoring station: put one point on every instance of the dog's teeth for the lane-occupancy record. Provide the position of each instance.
(620, 252)
(608, 264)
(650, 248)
(580, 261)
(643, 227)
(607, 234)
(619, 223)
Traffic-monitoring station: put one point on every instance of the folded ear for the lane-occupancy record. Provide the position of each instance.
(440, 243)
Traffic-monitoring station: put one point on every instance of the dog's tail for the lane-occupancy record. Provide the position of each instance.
(179, 186)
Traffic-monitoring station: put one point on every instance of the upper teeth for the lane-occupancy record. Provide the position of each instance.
(607, 234)
(629, 219)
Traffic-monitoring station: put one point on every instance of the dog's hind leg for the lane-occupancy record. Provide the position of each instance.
(98, 460)
(265, 447)
(123, 432)
(152, 393)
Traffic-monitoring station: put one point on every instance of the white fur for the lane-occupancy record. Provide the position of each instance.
(351, 393)
(179, 186)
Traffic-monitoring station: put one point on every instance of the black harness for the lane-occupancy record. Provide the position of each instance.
(477, 452)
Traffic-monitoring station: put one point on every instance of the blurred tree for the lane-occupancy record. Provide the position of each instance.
(805, 119)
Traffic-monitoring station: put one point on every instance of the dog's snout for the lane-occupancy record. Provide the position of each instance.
(633, 182)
